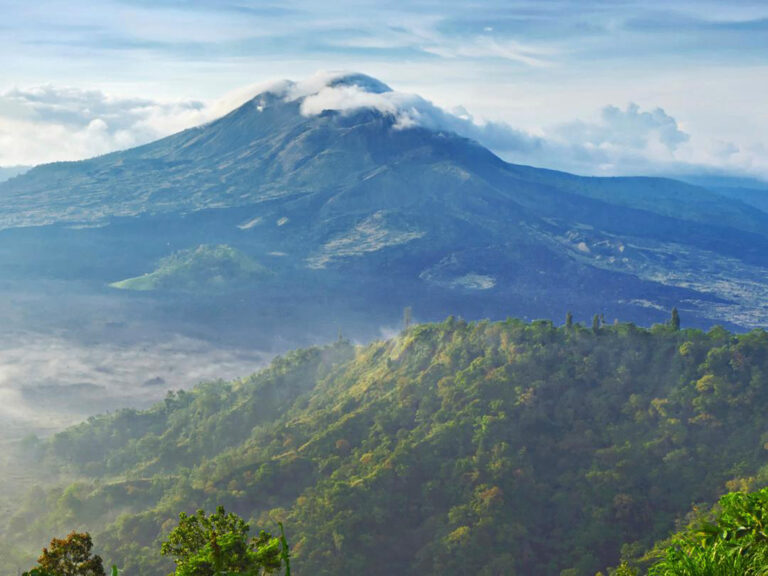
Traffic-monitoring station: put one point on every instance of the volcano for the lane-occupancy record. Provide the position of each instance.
(358, 201)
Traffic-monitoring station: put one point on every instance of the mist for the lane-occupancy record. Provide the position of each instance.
(48, 382)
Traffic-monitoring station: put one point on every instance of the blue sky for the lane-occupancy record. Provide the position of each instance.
(598, 87)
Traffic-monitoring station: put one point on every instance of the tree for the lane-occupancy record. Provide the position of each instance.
(674, 321)
(569, 320)
(70, 556)
(595, 323)
(218, 543)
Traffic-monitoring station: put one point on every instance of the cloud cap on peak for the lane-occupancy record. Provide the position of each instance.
(361, 81)
(291, 90)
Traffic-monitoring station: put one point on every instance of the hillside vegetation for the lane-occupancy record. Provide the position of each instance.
(456, 448)
(730, 540)
(198, 269)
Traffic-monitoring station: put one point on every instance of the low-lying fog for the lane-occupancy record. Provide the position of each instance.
(49, 382)
(69, 350)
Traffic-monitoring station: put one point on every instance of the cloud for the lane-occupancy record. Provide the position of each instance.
(485, 46)
(54, 123)
(453, 48)
(350, 92)
(630, 128)
(622, 141)
(632, 141)
(49, 123)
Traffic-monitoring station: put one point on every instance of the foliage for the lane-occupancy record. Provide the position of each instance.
(285, 551)
(734, 542)
(70, 556)
(201, 545)
(456, 448)
(209, 545)
(199, 269)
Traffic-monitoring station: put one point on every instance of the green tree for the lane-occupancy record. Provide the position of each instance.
(595, 323)
(209, 545)
(674, 320)
(569, 320)
(70, 556)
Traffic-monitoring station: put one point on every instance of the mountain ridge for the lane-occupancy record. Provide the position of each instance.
(452, 448)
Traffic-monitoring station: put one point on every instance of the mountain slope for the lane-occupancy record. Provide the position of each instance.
(372, 208)
(455, 448)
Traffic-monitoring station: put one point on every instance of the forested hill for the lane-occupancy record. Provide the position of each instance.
(456, 448)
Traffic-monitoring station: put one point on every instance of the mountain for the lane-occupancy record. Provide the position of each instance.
(747, 190)
(757, 197)
(454, 448)
(362, 202)
(8, 172)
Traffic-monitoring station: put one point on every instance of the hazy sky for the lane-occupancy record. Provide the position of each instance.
(593, 86)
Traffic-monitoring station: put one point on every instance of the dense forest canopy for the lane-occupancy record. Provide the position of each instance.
(455, 448)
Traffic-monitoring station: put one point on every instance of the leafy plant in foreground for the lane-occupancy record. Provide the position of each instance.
(218, 544)
(285, 551)
(734, 543)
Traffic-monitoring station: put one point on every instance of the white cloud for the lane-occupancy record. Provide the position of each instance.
(634, 141)
(49, 123)
(348, 93)
(630, 129)
(405, 108)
